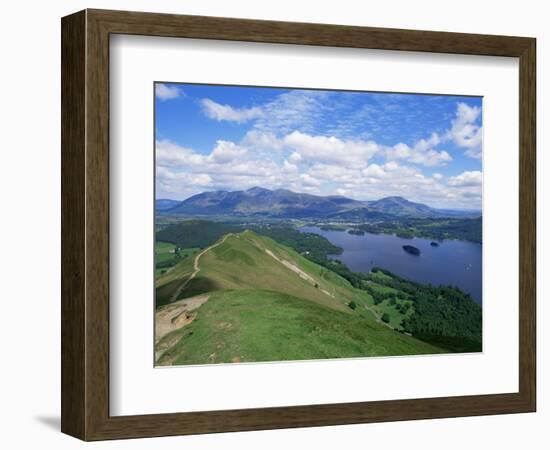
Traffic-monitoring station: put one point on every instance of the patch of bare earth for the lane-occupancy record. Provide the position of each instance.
(173, 317)
(294, 268)
(176, 315)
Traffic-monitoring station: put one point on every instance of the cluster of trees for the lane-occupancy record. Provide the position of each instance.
(439, 312)
(196, 233)
(463, 229)
(311, 245)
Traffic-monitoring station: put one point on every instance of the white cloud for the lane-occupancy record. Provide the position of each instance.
(182, 172)
(226, 152)
(341, 191)
(437, 176)
(431, 158)
(170, 154)
(259, 140)
(295, 157)
(289, 167)
(308, 180)
(335, 173)
(374, 171)
(201, 179)
(164, 92)
(466, 179)
(465, 132)
(220, 112)
(423, 152)
(330, 149)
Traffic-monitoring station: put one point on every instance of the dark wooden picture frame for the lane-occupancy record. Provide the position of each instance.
(85, 224)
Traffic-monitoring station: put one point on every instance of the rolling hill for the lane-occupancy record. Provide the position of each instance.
(247, 298)
(283, 203)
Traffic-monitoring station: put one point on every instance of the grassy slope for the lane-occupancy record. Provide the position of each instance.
(167, 284)
(256, 325)
(240, 266)
(164, 251)
(242, 262)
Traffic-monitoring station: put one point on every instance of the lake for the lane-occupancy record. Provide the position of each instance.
(456, 263)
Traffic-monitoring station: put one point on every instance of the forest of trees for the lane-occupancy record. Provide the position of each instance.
(443, 315)
(195, 233)
(310, 245)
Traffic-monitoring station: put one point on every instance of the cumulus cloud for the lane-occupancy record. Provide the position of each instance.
(465, 132)
(262, 140)
(295, 157)
(335, 173)
(226, 152)
(221, 112)
(308, 180)
(289, 167)
(171, 154)
(330, 149)
(375, 171)
(287, 145)
(466, 179)
(164, 92)
(182, 172)
(423, 152)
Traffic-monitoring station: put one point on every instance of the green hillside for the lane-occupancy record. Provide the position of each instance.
(255, 300)
(256, 325)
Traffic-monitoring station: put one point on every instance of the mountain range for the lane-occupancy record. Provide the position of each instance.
(283, 203)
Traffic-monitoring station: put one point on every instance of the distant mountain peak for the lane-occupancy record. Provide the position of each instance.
(257, 189)
(394, 197)
(284, 203)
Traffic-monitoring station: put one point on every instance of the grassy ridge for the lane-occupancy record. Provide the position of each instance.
(243, 262)
(259, 325)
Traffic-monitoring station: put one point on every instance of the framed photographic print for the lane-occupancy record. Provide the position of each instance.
(317, 224)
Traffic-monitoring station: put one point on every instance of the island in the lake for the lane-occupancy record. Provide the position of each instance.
(434, 244)
(412, 250)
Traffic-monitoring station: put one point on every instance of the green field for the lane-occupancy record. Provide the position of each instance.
(167, 255)
(255, 325)
(266, 302)
(164, 251)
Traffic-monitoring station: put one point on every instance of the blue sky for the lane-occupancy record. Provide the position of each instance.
(363, 145)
